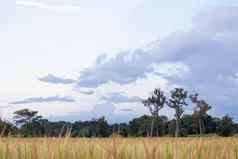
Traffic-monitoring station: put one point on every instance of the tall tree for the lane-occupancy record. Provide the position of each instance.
(155, 103)
(177, 102)
(24, 116)
(28, 121)
(200, 111)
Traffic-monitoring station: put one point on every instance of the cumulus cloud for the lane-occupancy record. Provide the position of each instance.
(120, 98)
(125, 68)
(56, 80)
(44, 100)
(200, 57)
(41, 5)
(129, 66)
(193, 51)
(203, 59)
(171, 69)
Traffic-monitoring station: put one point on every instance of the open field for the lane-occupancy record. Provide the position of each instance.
(119, 148)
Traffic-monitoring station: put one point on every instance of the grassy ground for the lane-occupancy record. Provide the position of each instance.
(119, 148)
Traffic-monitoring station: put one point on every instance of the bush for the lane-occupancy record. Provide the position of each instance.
(226, 127)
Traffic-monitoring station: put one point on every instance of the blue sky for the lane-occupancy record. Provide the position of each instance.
(74, 60)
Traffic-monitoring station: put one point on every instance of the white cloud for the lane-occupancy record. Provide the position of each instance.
(121, 98)
(169, 69)
(202, 52)
(198, 56)
(41, 5)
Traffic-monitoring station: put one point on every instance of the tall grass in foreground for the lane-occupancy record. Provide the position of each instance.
(119, 148)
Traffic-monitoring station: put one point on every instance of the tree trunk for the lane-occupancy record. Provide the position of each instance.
(177, 128)
(201, 126)
(152, 127)
(147, 132)
(113, 130)
(157, 131)
(157, 124)
(163, 128)
(118, 130)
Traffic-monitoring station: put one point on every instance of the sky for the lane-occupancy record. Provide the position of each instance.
(82, 59)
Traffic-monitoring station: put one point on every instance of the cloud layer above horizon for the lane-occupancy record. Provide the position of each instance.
(204, 59)
(44, 100)
(98, 58)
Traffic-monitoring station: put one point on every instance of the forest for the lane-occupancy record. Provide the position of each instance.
(27, 123)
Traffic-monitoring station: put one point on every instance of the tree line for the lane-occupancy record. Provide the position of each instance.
(27, 123)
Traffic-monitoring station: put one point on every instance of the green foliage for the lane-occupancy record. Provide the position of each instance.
(155, 103)
(94, 128)
(140, 126)
(200, 112)
(24, 116)
(226, 127)
(177, 102)
(29, 124)
(137, 127)
(7, 128)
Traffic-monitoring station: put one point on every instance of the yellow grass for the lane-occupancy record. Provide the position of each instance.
(119, 148)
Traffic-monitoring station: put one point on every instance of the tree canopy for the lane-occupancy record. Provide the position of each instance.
(27, 123)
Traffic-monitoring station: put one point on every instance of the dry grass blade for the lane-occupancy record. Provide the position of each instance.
(118, 148)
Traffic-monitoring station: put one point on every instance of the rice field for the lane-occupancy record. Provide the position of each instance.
(119, 148)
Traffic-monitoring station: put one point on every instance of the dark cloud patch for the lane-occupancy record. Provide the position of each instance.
(44, 100)
(56, 80)
(86, 92)
(127, 110)
(121, 98)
